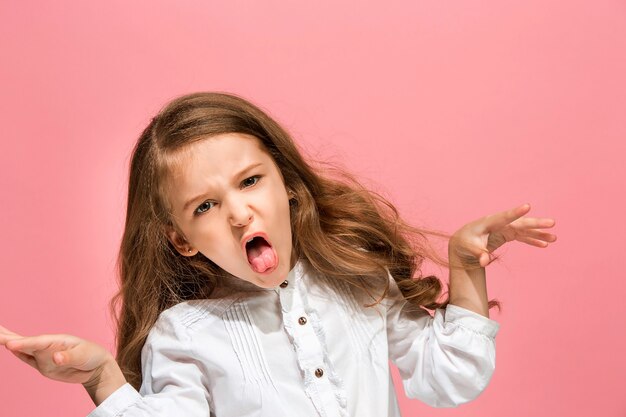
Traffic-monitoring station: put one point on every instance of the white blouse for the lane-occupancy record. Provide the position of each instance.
(305, 349)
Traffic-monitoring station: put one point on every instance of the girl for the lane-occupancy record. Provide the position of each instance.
(253, 285)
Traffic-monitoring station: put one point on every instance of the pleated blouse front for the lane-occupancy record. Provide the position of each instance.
(306, 348)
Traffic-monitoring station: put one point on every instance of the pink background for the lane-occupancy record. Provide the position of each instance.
(454, 110)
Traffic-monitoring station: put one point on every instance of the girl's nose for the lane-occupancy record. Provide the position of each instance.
(240, 214)
(240, 222)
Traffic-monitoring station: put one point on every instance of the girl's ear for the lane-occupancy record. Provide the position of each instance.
(180, 243)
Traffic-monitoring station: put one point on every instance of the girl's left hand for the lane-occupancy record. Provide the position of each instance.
(476, 240)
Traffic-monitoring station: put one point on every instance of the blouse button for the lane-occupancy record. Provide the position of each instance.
(302, 320)
(319, 372)
(284, 284)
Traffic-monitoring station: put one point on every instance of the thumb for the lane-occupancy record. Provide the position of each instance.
(485, 259)
(59, 358)
(82, 356)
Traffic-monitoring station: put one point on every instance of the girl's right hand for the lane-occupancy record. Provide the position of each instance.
(67, 358)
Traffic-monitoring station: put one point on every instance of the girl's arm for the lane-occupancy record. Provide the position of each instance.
(444, 360)
(172, 380)
(468, 288)
(448, 359)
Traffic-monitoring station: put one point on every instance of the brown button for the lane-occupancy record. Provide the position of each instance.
(319, 372)
(284, 284)
(302, 320)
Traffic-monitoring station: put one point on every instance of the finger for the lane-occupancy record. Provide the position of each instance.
(26, 358)
(533, 242)
(33, 344)
(535, 223)
(4, 338)
(60, 358)
(538, 234)
(485, 259)
(5, 331)
(499, 220)
(79, 357)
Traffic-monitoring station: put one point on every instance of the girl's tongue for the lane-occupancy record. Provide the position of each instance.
(261, 256)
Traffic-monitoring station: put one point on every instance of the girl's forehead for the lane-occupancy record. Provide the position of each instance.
(213, 162)
(218, 154)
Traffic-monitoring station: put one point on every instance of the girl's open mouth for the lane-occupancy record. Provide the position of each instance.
(261, 255)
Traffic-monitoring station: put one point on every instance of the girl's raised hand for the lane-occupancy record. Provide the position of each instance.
(64, 357)
(60, 357)
(476, 240)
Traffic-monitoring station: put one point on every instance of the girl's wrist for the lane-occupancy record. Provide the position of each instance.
(467, 284)
(460, 257)
(108, 380)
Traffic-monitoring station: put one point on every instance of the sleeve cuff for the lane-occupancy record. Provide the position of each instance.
(471, 320)
(124, 397)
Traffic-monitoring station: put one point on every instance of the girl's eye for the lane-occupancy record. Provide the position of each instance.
(249, 182)
(203, 208)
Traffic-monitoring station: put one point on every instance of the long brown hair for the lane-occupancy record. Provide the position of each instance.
(343, 230)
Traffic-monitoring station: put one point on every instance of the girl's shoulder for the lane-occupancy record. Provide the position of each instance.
(193, 323)
(189, 314)
(229, 291)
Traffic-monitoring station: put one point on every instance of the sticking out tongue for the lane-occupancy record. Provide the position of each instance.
(261, 255)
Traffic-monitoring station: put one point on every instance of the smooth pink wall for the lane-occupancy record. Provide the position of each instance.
(455, 110)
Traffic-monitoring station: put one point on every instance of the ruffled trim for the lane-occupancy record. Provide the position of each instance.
(333, 377)
(309, 387)
(304, 357)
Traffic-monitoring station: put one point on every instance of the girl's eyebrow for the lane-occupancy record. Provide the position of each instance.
(203, 195)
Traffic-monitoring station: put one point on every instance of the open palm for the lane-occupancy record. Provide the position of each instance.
(61, 357)
(479, 238)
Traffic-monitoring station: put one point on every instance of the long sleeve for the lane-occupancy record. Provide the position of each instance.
(445, 360)
(172, 379)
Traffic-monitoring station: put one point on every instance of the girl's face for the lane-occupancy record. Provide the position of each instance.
(227, 190)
